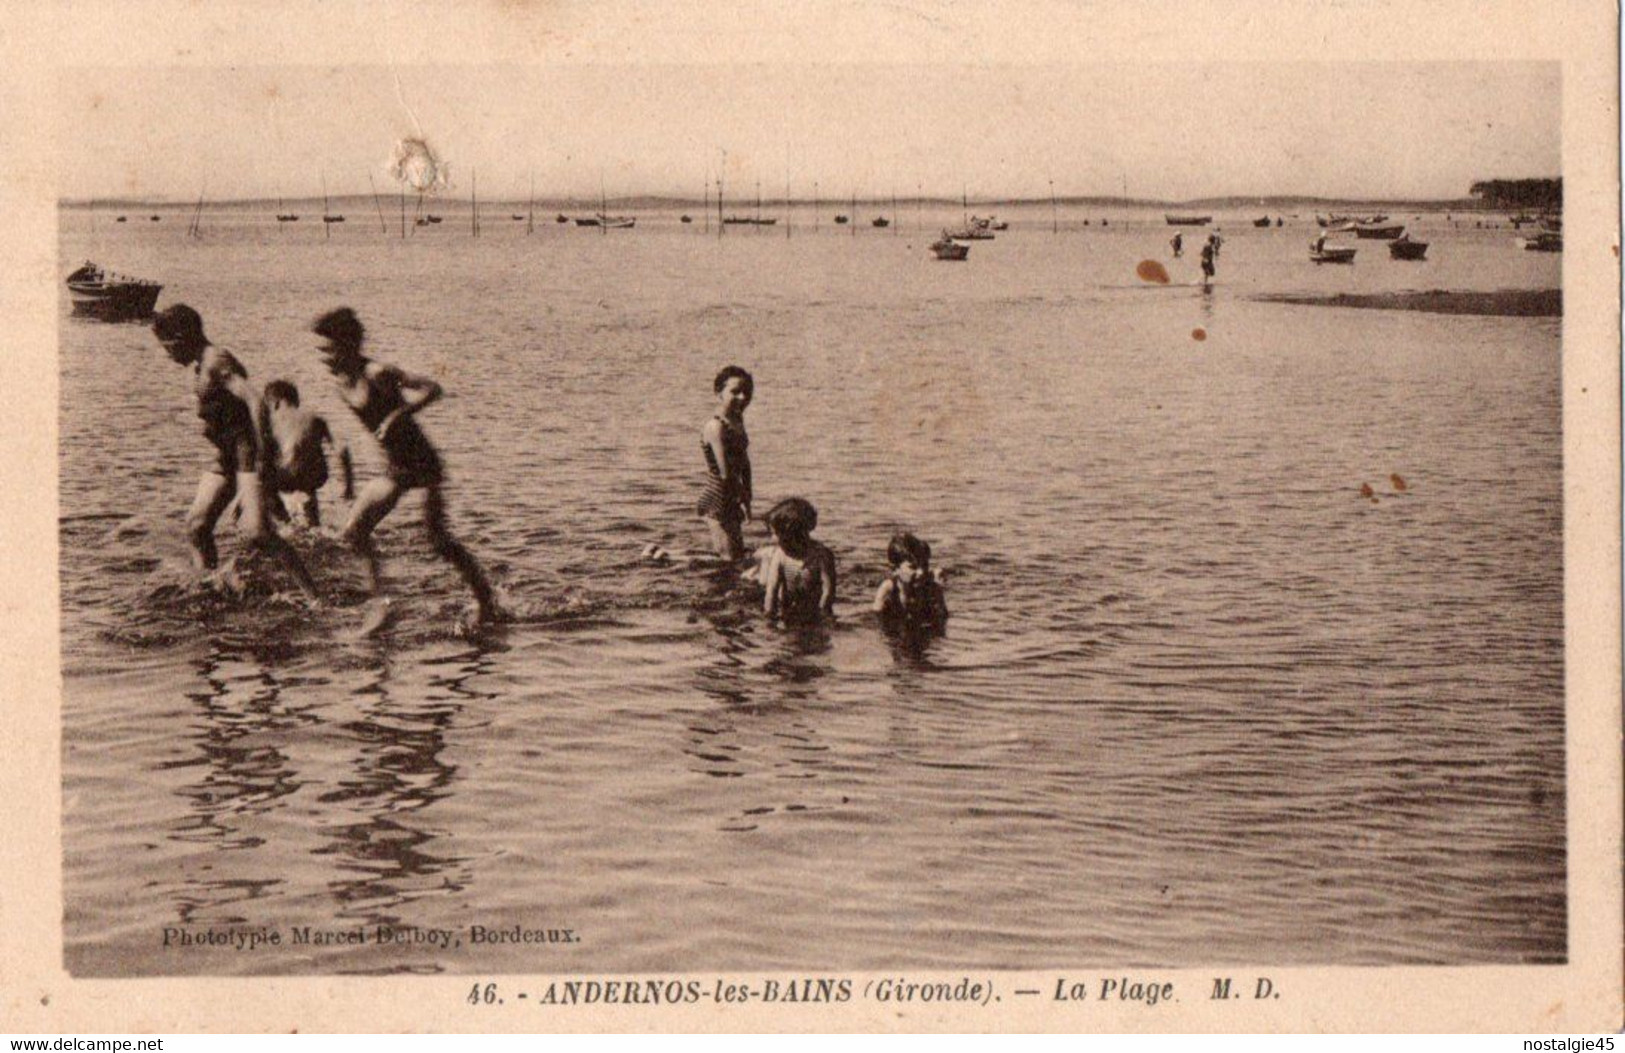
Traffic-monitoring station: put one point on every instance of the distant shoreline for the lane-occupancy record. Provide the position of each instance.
(1251, 205)
(1502, 303)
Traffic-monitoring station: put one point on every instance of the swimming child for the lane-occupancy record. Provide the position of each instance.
(299, 462)
(799, 573)
(387, 400)
(911, 597)
(725, 502)
(233, 422)
(1178, 245)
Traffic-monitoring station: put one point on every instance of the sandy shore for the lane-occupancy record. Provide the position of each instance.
(1529, 303)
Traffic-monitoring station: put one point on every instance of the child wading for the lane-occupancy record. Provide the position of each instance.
(386, 399)
(298, 457)
(233, 422)
(798, 572)
(725, 502)
(911, 597)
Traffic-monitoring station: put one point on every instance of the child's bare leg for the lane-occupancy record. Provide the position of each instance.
(451, 550)
(257, 531)
(313, 509)
(214, 493)
(727, 540)
(375, 501)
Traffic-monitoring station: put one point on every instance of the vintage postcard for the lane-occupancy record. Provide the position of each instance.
(854, 516)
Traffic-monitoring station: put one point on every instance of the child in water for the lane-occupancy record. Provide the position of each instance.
(911, 597)
(725, 502)
(797, 572)
(299, 461)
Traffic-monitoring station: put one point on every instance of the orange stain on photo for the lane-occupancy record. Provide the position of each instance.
(1366, 491)
(1198, 333)
(1152, 271)
(1398, 481)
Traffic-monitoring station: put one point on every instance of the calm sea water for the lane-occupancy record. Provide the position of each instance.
(1200, 700)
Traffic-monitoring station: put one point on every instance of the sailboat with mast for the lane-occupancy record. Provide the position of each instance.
(757, 220)
(328, 215)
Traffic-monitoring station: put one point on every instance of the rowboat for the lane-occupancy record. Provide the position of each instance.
(946, 248)
(1323, 255)
(1379, 233)
(1406, 249)
(1264, 222)
(1187, 221)
(99, 293)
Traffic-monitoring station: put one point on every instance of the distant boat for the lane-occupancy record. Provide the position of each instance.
(155, 218)
(880, 221)
(1265, 222)
(687, 218)
(1379, 233)
(561, 218)
(120, 219)
(1545, 241)
(946, 248)
(1325, 255)
(1187, 221)
(1000, 224)
(332, 219)
(840, 219)
(98, 293)
(587, 221)
(608, 222)
(431, 217)
(1405, 249)
(286, 217)
(1278, 221)
(751, 221)
(516, 215)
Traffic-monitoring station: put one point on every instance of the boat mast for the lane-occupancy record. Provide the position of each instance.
(327, 227)
(474, 202)
(705, 210)
(530, 207)
(378, 203)
(403, 209)
(603, 206)
(817, 220)
(722, 226)
(196, 229)
(758, 206)
(894, 223)
(852, 221)
(1054, 220)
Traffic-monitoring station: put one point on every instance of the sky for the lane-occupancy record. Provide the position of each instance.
(1164, 130)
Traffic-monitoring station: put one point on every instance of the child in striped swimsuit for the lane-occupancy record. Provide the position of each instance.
(724, 504)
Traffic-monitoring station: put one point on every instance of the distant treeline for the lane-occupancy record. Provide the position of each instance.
(1520, 193)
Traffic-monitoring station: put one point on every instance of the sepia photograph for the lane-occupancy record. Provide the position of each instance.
(634, 520)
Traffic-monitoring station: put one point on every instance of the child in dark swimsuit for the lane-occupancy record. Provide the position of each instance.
(298, 438)
(725, 502)
(798, 572)
(233, 424)
(911, 597)
(386, 400)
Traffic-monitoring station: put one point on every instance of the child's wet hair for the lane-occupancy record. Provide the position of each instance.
(728, 373)
(792, 519)
(906, 547)
(341, 326)
(178, 322)
(282, 391)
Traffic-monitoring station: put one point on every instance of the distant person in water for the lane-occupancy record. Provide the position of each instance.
(1178, 245)
(387, 400)
(724, 504)
(1207, 264)
(910, 597)
(798, 572)
(299, 439)
(233, 422)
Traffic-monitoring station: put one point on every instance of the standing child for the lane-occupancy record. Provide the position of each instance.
(299, 461)
(911, 597)
(799, 573)
(387, 400)
(1207, 263)
(725, 502)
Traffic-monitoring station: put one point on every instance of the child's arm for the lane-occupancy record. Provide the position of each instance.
(826, 595)
(883, 596)
(939, 603)
(712, 434)
(773, 579)
(427, 391)
(238, 386)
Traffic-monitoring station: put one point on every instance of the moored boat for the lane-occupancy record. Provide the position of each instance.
(1545, 241)
(946, 248)
(880, 221)
(840, 219)
(561, 218)
(1379, 233)
(686, 218)
(1187, 221)
(1264, 222)
(1320, 254)
(99, 293)
(1403, 248)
